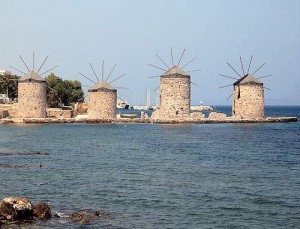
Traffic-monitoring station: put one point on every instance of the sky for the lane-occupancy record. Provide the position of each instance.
(130, 33)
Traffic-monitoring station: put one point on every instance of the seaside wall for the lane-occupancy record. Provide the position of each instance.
(217, 115)
(248, 101)
(175, 93)
(10, 108)
(31, 100)
(59, 113)
(102, 104)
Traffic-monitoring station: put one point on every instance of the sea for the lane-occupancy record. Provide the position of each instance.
(158, 176)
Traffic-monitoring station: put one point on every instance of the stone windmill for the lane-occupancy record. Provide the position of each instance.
(175, 90)
(102, 97)
(32, 92)
(248, 93)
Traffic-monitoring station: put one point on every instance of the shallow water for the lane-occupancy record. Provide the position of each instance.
(159, 176)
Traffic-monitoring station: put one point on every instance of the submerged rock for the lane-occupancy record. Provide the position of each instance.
(87, 216)
(41, 211)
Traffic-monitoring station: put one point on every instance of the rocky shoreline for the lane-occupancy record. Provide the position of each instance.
(18, 210)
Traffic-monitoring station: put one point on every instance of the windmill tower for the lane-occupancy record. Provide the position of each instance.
(248, 94)
(102, 97)
(32, 92)
(175, 90)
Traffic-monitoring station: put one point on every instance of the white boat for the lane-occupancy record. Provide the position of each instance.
(122, 104)
(128, 115)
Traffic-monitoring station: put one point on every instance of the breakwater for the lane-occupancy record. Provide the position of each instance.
(139, 120)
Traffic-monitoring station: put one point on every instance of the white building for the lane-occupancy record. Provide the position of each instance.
(4, 72)
(2, 96)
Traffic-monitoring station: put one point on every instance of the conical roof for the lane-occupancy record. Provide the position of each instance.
(32, 76)
(248, 79)
(175, 70)
(101, 85)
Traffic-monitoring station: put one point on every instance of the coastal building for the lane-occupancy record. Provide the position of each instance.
(248, 98)
(102, 101)
(32, 87)
(175, 95)
(31, 96)
(4, 72)
(102, 97)
(175, 92)
(248, 93)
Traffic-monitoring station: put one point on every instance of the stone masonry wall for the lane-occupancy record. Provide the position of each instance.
(31, 100)
(3, 113)
(250, 104)
(59, 113)
(175, 93)
(11, 108)
(217, 115)
(102, 105)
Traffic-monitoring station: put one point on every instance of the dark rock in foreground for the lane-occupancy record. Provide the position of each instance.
(21, 209)
(16, 208)
(41, 211)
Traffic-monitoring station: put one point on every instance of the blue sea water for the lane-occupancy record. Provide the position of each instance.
(159, 176)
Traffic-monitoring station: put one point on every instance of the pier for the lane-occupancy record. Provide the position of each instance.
(140, 120)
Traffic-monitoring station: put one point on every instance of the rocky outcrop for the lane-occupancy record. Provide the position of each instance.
(16, 208)
(41, 211)
(87, 216)
(20, 208)
(80, 109)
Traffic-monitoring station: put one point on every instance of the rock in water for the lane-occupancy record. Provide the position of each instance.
(7, 211)
(41, 211)
(83, 217)
(15, 208)
(87, 216)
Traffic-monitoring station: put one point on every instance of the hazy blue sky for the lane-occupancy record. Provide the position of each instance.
(130, 32)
